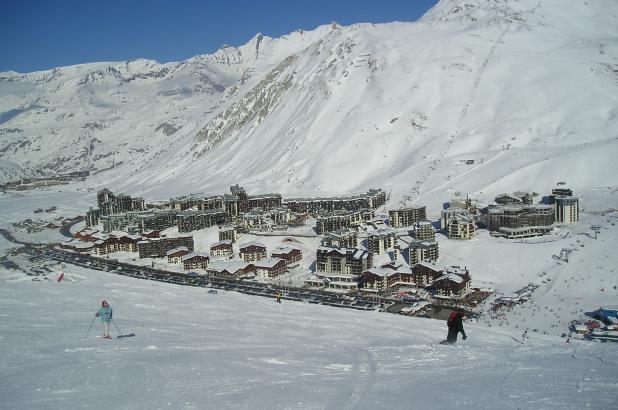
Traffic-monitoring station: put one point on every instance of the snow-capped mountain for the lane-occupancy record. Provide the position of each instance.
(527, 88)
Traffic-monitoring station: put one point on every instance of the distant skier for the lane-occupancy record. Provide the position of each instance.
(455, 325)
(277, 297)
(105, 315)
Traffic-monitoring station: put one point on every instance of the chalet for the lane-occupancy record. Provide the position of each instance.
(194, 261)
(387, 277)
(233, 269)
(391, 277)
(222, 249)
(455, 283)
(252, 251)
(117, 243)
(175, 255)
(333, 281)
(158, 247)
(339, 269)
(270, 267)
(425, 273)
(151, 233)
(87, 235)
(76, 246)
(350, 261)
(292, 256)
(375, 279)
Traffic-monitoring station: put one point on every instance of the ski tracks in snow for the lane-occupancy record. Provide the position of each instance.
(363, 378)
(463, 113)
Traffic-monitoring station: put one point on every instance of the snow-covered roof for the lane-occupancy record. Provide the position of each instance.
(456, 270)
(428, 265)
(252, 243)
(267, 262)
(226, 242)
(193, 255)
(230, 266)
(453, 277)
(383, 272)
(177, 249)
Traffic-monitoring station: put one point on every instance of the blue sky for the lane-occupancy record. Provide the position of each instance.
(37, 35)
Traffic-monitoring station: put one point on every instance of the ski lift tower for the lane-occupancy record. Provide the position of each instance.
(564, 254)
(596, 229)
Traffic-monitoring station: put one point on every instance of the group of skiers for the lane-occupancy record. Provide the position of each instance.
(454, 322)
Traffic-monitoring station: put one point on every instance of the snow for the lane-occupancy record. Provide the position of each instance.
(197, 350)
(527, 89)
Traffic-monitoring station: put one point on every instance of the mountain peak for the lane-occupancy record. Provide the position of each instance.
(486, 12)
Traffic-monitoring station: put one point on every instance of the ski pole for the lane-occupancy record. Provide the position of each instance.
(88, 332)
(119, 332)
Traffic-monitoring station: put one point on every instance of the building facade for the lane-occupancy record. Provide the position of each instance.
(461, 227)
(189, 221)
(252, 252)
(423, 251)
(158, 247)
(342, 238)
(566, 209)
(195, 261)
(380, 241)
(343, 220)
(407, 216)
(424, 230)
(519, 216)
(370, 200)
(291, 256)
(270, 267)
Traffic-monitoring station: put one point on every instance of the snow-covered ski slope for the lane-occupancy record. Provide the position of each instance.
(527, 89)
(195, 350)
(529, 86)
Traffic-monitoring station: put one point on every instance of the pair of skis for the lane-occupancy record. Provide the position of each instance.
(119, 336)
(524, 336)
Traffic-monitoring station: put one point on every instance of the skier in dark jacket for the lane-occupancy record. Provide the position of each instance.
(455, 325)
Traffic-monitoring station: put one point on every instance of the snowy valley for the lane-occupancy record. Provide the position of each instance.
(476, 99)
